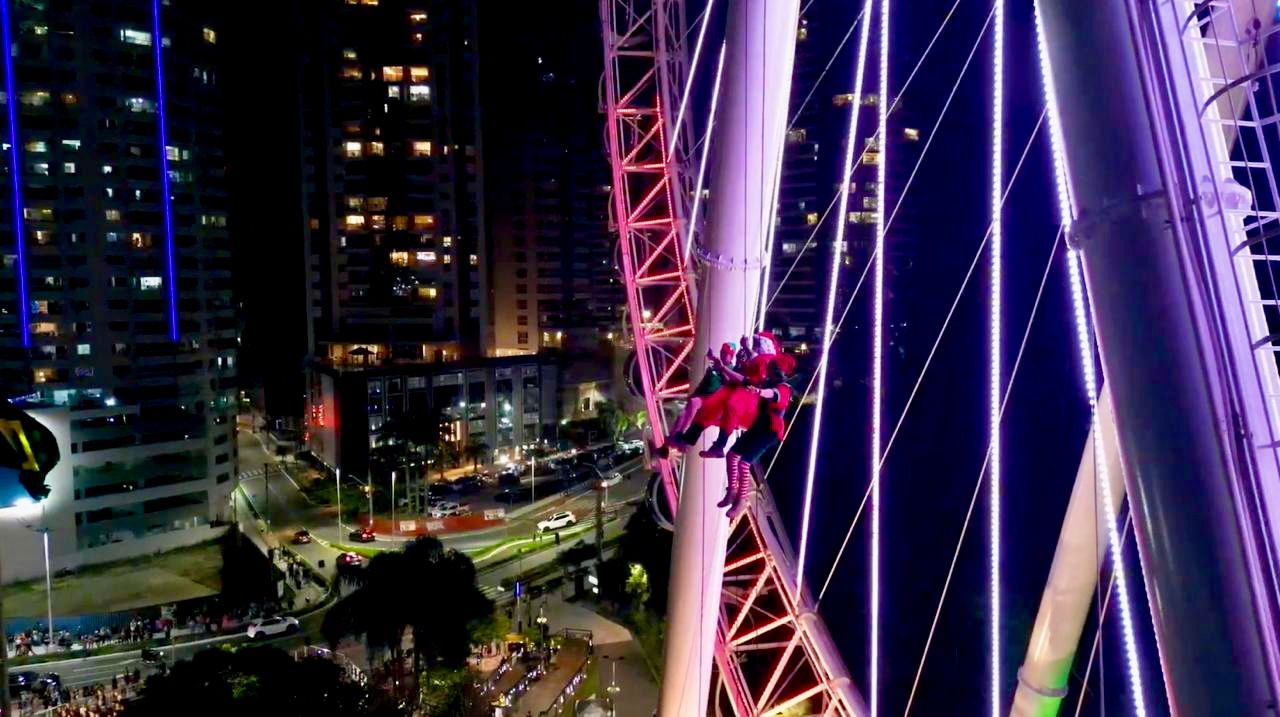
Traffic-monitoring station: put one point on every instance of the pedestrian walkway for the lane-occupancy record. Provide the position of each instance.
(565, 666)
(616, 653)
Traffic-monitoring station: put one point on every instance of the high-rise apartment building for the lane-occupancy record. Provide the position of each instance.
(116, 319)
(555, 277)
(399, 292)
(395, 215)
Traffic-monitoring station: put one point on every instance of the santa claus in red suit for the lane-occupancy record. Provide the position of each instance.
(754, 399)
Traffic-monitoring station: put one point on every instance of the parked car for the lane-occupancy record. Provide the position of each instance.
(611, 480)
(363, 535)
(302, 537)
(349, 560)
(470, 484)
(271, 627)
(562, 519)
(445, 510)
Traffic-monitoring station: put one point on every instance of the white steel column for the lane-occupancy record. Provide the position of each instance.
(749, 136)
(1073, 577)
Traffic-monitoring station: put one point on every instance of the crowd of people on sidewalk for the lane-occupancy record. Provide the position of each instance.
(105, 700)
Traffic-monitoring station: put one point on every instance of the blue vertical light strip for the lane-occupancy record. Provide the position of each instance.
(15, 175)
(171, 282)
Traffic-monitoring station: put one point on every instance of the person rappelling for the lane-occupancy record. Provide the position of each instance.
(753, 396)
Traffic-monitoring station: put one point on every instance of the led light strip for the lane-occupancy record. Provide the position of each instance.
(15, 176)
(1081, 312)
(157, 46)
(996, 372)
(828, 330)
(693, 67)
(877, 353)
(706, 150)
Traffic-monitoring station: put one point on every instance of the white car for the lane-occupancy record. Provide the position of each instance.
(611, 480)
(563, 519)
(447, 509)
(271, 626)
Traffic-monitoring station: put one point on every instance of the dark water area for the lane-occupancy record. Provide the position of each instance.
(935, 462)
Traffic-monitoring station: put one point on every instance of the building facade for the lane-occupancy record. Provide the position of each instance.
(555, 275)
(394, 209)
(497, 405)
(115, 292)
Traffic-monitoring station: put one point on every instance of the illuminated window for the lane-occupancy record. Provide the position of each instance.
(34, 98)
(842, 99)
(475, 260)
(353, 150)
(369, 2)
(209, 35)
(424, 221)
(446, 242)
(150, 283)
(796, 136)
(42, 236)
(426, 257)
(68, 167)
(448, 258)
(82, 349)
(862, 217)
(376, 204)
(871, 158)
(392, 73)
(911, 134)
(39, 214)
(355, 202)
(419, 74)
(70, 98)
(417, 17)
(348, 53)
(140, 104)
(522, 337)
(350, 72)
(871, 99)
(400, 258)
(135, 37)
(420, 148)
(393, 92)
(375, 149)
(419, 94)
(140, 240)
(108, 169)
(802, 34)
(172, 154)
(355, 221)
(427, 292)
(400, 223)
(870, 202)
(416, 37)
(378, 221)
(36, 145)
(112, 215)
(40, 168)
(811, 218)
(72, 145)
(44, 328)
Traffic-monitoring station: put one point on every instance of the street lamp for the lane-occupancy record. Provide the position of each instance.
(542, 631)
(393, 503)
(338, 482)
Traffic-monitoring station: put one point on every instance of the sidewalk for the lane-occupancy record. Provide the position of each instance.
(615, 648)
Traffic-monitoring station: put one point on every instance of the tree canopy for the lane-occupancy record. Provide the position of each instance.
(256, 681)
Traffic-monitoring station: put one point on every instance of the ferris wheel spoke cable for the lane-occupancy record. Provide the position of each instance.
(897, 99)
(933, 352)
(1102, 619)
(982, 472)
(889, 223)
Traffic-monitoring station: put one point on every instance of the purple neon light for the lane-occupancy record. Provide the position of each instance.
(15, 175)
(157, 46)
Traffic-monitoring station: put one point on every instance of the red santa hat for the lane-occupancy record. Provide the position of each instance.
(768, 343)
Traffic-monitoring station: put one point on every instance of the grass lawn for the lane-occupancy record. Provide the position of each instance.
(157, 579)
